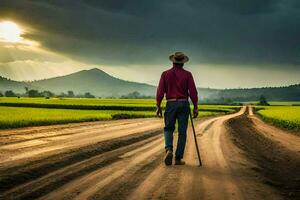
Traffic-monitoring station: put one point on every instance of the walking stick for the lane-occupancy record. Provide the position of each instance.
(197, 148)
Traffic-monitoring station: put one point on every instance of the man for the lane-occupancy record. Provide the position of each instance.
(178, 85)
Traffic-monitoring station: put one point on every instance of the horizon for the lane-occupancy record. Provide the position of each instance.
(60, 76)
(245, 45)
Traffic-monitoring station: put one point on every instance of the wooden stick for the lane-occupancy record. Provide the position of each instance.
(195, 137)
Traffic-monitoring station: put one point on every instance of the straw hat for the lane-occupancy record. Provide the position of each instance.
(178, 57)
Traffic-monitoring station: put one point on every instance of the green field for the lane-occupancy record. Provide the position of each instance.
(21, 112)
(276, 103)
(99, 104)
(80, 101)
(283, 116)
(13, 117)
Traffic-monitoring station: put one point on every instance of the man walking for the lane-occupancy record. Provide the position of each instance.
(178, 85)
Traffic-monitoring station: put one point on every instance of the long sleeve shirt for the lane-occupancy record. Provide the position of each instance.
(177, 83)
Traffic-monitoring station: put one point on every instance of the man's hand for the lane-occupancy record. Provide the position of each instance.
(158, 112)
(195, 113)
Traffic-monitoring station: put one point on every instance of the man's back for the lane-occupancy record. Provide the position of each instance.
(177, 83)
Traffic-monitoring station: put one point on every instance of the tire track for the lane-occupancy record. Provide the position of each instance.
(18, 172)
(53, 129)
(89, 185)
(14, 152)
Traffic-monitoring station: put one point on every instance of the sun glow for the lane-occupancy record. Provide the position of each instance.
(10, 32)
(11, 36)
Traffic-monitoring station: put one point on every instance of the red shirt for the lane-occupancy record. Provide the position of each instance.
(177, 83)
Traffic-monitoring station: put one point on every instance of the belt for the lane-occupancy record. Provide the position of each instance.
(170, 100)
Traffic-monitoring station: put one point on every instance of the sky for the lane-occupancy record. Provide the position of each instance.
(231, 44)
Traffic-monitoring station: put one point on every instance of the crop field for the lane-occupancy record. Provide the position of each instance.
(13, 117)
(276, 103)
(22, 112)
(283, 116)
(100, 104)
(80, 101)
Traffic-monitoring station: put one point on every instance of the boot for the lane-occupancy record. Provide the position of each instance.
(169, 157)
(179, 162)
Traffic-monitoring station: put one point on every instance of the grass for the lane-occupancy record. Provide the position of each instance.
(99, 104)
(81, 103)
(276, 103)
(283, 116)
(15, 117)
(218, 108)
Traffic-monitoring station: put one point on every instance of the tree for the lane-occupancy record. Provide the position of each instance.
(71, 94)
(34, 93)
(26, 90)
(10, 93)
(47, 94)
(132, 95)
(1, 95)
(62, 95)
(135, 95)
(88, 95)
(263, 101)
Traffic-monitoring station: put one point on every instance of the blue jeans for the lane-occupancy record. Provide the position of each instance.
(176, 110)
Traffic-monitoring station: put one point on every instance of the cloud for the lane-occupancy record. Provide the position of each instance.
(113, 32)
(245, 7)
(15, 52)
(133, 37)
(36, 70)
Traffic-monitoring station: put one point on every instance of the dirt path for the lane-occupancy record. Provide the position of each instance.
(225, 173)
(123, 160)
(275, 152)
(288, 141)
(30, 143)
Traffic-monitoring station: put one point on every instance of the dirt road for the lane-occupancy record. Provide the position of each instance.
(123, 160)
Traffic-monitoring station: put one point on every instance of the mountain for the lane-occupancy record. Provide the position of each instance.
(101, 84)
(16, 86)
(94, 81)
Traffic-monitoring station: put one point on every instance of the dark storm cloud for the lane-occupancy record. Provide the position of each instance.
(245, 7)
(145, 32)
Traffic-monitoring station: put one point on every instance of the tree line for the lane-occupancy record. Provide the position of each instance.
(46, 94)
(68, 94)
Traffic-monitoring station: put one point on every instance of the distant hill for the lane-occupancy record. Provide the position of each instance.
(94, 81)
(286, 93)
(7, 84)
(101, 84)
